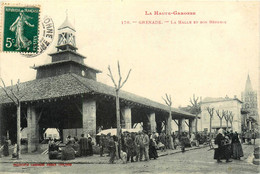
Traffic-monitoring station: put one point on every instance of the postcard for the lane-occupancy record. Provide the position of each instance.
(126, 86)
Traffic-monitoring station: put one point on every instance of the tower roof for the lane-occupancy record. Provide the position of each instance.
(66, 24)
(248, 84)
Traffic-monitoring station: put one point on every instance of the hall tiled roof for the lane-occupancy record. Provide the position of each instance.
(72, 84)
(47, 88)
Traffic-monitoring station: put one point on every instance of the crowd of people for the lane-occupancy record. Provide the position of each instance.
(229, 146)
(248, 136)
(136, 146)
(139, 146)
(74, 148)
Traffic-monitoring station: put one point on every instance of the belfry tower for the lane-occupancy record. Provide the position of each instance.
(249, 99)
(66, 59)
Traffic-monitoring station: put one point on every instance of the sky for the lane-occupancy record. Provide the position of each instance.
(208, 60)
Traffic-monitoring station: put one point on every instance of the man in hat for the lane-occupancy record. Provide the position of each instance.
(102, 144)
(90, 148)
(137, 145)
(144, 148)
(130, 147)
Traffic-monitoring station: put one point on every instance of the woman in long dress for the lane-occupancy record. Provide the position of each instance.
(68, 153)
(223, 150)
(237, 148)
(152, 149)
(18, 28)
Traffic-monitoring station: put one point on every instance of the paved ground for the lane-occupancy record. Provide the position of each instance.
(193, 161)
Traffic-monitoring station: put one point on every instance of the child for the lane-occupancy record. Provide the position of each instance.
(123, 156)
(161, 146)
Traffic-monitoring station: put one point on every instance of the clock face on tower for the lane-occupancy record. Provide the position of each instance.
(83, 73)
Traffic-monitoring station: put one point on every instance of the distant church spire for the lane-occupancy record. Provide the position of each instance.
(248, 84)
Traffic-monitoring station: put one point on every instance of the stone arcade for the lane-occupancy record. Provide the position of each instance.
(66, 95)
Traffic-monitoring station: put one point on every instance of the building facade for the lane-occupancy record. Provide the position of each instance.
(222, 109)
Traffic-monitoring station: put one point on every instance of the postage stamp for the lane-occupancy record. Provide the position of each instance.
(20, 28)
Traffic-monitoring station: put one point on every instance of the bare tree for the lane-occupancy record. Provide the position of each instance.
(197, 110)
(231, 117)
(118, 86)
(168, 101)
(211, 114)
(13, 93)
(226, 116)
(220, 116)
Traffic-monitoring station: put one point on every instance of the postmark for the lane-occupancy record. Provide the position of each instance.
(46, 36)
(20, 28)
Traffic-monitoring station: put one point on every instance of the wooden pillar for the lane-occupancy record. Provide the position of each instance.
(33, 129)
(181, 125)
(127, 118)
(89, 117)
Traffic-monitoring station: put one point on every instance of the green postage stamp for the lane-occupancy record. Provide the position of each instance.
(20, 28)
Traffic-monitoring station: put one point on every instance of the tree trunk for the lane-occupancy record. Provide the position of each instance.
(118, 121)
(18, 131)
(227, 125)
(221, 123)
(210, 123)
(117, 114)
